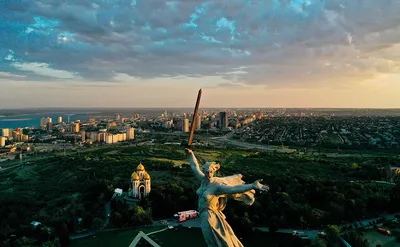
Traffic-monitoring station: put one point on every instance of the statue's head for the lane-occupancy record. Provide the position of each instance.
(209, 169)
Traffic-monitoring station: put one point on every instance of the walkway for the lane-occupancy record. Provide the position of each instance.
(141, 235)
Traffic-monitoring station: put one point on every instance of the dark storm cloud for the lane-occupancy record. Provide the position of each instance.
(272, 41)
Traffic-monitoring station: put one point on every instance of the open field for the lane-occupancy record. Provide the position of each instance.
(176, 162)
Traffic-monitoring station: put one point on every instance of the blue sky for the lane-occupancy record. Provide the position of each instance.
(289, 53)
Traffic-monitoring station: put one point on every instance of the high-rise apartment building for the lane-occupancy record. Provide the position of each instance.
(109, 139)
(5, 132)
(59, 120)
(83, 135)
(103, 137)
(93, 137)
(45, 120)
(74, 127)
(198, 122)
(185, 125)
(2, 141)
(223, 120)
(130, 134)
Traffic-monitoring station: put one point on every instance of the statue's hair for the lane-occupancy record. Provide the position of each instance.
(213, 165)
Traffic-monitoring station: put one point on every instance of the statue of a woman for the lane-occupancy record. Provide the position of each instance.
(213, 194)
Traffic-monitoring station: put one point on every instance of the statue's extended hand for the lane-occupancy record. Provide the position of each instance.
(258, 186)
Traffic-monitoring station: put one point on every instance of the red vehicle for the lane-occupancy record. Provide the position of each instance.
(185, 215)
(384, 231)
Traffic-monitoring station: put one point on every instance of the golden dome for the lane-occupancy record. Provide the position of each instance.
(140, 167)
(135, 176)
(146, 176)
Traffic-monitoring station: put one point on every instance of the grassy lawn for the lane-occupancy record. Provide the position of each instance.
(114, 238)
(176, 162)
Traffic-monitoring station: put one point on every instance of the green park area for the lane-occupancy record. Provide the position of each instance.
(68, 194)
(175, 237)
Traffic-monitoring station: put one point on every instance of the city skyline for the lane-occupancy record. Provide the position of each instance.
(244, 54)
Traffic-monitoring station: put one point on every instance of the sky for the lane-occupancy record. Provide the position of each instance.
(158, 53)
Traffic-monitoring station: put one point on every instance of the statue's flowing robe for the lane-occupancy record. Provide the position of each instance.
(215, 228)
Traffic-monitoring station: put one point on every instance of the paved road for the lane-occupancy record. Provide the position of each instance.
(162, 230)
(373, 181)
(312, 234)
(252, 146)
(8, 168)
(173, 222)
(225, 140)
(108, 212)
(366, 222)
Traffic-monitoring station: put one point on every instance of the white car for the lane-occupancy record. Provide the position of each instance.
(170, 227)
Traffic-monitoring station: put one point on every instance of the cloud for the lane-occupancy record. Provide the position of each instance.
(275, 42)
(7, 75)
(43, 69)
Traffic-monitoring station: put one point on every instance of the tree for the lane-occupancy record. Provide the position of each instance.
(274, 224)
(332, 232)
(116, 219)
(355, 240)
(318, 243)
(396, 234)
(97, 223)
(25, 242)
(54, 243)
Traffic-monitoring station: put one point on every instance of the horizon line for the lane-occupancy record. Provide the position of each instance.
(159, 107)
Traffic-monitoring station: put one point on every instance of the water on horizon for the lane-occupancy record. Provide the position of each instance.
(33, 120)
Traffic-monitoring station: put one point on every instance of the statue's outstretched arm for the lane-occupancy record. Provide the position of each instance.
(237, 189)
(194, 164)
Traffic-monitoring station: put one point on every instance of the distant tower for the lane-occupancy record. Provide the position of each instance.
(223, 120)
(140, 183)
(83, 136)
(59, 119)
(2, 141)
(198, 122)
(130, 133)
(5, 132)
(44, 121)
(69, 119)
(185, 125)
